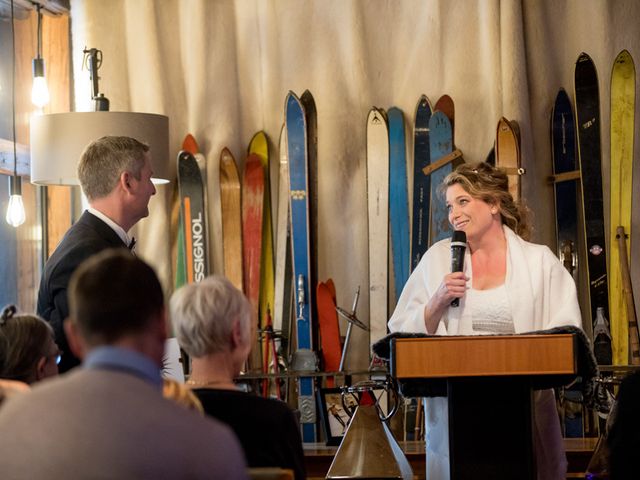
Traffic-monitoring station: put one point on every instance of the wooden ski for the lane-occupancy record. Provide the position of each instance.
(398, 201)
(231, 207)
(508, 155)
(252, 215)
(587, 107)
(283, 272)
(378, 208)
(301, 253)
(421, 182)
(259, 146)
(440, 146)
(623, 88)
(445, 105)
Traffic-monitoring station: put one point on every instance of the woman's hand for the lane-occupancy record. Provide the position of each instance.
(454, 285)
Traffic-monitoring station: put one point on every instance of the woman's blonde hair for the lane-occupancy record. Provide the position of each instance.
(177, 392)
(491, 185)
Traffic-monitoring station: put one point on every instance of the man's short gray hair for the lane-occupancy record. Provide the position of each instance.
(203, 313)
(103, 161)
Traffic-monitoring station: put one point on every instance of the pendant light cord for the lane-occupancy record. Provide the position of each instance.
(39, 39)
(13, 90)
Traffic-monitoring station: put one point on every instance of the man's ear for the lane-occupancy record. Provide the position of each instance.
(125, 181)
(74, 339)
(236, 334)
(40, 368)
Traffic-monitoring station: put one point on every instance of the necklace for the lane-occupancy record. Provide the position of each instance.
(206, 383)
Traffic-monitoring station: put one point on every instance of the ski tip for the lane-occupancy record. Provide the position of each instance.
(189, 144)
(376, 116)
(258, 143)
(395, 113)
(292, 101)
(226, 153)
(624, 57)
(307, 97)
(423, 106)
(583, 57)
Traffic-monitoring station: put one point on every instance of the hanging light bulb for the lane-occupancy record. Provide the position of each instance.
(39, 91)
(15, 212)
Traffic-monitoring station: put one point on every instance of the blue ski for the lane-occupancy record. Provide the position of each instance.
(421, 182)
(398, 200)
(440, 145)
(299, 204)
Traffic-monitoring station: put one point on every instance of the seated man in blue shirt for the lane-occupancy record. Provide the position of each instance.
(109, 419)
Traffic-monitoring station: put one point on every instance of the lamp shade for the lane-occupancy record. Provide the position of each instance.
(58, 140)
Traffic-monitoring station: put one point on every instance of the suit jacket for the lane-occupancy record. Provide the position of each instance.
(99, 423)
(88, 236)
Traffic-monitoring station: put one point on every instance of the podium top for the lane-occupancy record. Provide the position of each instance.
(483, 356)
(587, 368)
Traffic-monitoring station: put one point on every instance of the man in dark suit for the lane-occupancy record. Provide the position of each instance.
(108, 419)
(115, 175)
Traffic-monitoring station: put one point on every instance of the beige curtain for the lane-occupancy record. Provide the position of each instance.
(221, 69)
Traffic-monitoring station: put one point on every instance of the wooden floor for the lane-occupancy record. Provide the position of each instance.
(318, 457)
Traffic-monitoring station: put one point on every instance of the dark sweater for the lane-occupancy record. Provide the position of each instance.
(267, 429)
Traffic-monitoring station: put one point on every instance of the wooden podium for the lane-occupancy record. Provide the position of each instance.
(489, 382)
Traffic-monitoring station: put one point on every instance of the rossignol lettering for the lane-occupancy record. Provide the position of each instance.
(198, 247)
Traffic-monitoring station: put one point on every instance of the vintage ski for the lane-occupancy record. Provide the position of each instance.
(623, 87)
(378, 208)
(252, 214)
(445, 105)
(440, 146)
(231, 208)
(587, 107)
(508, 154)
(311, 117)
(260, 147)
(565, 178)
(193, 217)
(300, 245)
(421, 182)
(282, 286)
(329, 328)
(398, 201)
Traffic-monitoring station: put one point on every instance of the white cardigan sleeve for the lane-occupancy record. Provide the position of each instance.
(408, 315)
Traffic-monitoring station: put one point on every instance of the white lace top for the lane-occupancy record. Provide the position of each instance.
(490, 311)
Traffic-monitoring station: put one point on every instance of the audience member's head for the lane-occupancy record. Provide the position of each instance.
(28, 352)
(179, 393)
(212, 317)
(116, 299)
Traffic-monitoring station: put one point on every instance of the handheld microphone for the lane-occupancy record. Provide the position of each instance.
(458, 247)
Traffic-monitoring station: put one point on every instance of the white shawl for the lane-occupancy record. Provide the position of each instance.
(540, 291)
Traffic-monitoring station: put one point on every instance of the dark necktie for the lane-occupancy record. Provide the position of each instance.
(132, 244)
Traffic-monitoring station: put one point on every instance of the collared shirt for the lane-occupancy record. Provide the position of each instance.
(114, 226)
(123, 359)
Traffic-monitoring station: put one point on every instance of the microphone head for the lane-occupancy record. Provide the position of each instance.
(459, 236)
